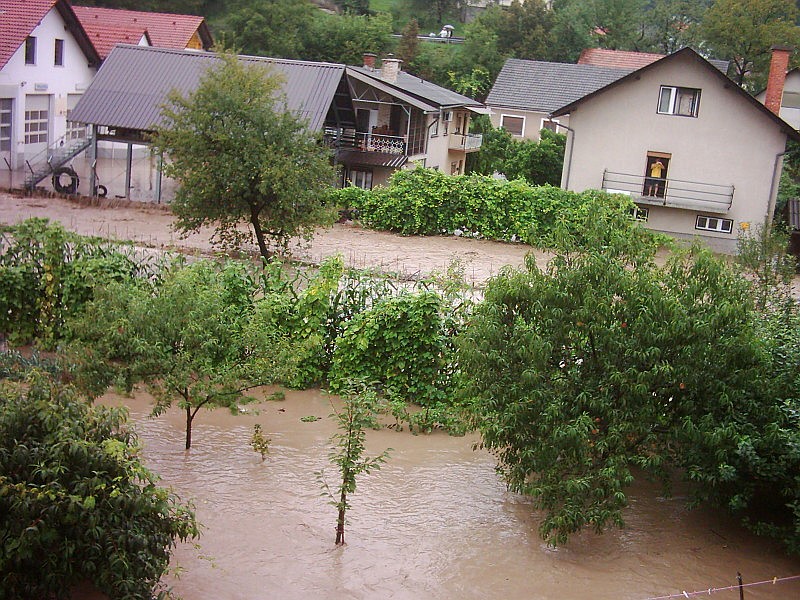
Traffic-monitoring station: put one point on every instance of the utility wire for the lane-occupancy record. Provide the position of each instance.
(713, 590)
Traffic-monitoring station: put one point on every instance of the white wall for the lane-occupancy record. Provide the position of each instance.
(730, 142)
(533, 121)
(17, 80)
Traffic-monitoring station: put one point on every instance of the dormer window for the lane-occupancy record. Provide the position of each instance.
(30, 50)
(678, 101)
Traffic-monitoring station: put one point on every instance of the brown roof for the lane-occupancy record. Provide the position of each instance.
(617, 59)
(18, 18)
(165, 30)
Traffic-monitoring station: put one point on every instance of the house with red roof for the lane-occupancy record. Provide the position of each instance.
(46, 62)
(108, 27)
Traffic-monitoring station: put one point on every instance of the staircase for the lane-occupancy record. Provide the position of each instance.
(56, 155)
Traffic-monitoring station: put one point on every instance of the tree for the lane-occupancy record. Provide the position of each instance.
(268, 27)
(743, 31)
(357, 413)
(76, 501)
(538, 163)
(188, 339)
(345, 38)
(674, 24)
(241, 158)
(408, 47)
(522, 29)
(605, 363)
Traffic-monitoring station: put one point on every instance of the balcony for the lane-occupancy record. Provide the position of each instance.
(364, 142)
(466, 142)
(674, 193)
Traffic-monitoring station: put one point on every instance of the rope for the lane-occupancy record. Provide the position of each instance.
(713, 590)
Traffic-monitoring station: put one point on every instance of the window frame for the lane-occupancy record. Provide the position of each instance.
(361, 178)
(6, 123)
(640, 214)
(503, 117)
(30, 50)
(58, 53)
(724, 225)
(674, 100)
(435, 127)
(545, 122)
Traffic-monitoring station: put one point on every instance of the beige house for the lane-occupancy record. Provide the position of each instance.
(698, 155)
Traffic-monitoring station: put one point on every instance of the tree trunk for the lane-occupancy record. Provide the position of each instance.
(189, 418)
(340, 519)
(262, 244)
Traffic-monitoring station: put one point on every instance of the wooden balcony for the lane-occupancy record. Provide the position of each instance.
(466, 142)
(674, 193)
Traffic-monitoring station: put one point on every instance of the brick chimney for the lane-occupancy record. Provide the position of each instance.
(390, 66)
(777, 77)
(369, 60)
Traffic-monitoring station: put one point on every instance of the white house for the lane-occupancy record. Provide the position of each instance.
(46, 62)
(698, 155)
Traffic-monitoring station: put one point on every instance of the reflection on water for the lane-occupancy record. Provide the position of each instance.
(435, 522)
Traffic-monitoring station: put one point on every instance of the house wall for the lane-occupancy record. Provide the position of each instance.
(533, 121)
(48, 85)
(730, 142)
(790, 105)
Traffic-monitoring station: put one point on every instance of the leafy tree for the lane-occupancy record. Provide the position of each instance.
(496, 145)
(76, 501)
(674, 24)
(606, 362)
(522, 29)
(580, 24)
(475, 84)
(357, 413)
(408, 47)
(538, 163)
(743, 31)
(355, 7)
(345, 38)
(188, 339)
(241, 158)
(268, 27)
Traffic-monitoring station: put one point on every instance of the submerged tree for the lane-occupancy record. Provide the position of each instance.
(242, 158)
(356, 414)
(77, 503)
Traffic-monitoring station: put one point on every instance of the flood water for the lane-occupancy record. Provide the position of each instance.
(434, 523)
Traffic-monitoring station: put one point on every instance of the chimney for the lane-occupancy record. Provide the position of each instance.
(390, 67)
(777, 77)
(369, 60)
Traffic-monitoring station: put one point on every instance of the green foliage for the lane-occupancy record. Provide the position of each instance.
(357, 413)
(47, 275)
(259, 442)
(345, 38)
(408, 47)
(398, 343)
(241, 159)
(606, 365)
(427, 202)
(76, 501)
(191, 339)
(268, 27)
(538, 163)
(16, 366)
(743, 31)
(763, 255)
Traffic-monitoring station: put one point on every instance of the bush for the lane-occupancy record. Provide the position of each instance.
(77, 504)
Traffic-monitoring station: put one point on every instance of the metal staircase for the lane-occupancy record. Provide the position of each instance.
(56, 156)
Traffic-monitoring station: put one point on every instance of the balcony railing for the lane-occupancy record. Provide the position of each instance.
(468, 142)
(366, 142)
(676, 193)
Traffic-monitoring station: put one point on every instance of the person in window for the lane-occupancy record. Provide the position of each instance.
(656, 180)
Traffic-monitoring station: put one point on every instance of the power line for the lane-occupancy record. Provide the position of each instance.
(713, 590)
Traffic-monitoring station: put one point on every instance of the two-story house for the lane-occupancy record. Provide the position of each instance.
(46, 63)
(697, 154)
(376, 120)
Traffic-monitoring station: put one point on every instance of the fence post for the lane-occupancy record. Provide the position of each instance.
(741, 588)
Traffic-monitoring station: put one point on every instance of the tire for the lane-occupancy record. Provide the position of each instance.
(101, 191)
(71, 187)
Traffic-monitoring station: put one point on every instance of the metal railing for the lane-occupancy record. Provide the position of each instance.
(54, 156)
(366, 142)
(468, 142)
(677, 193)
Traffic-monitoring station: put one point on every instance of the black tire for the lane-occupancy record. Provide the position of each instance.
(71, 187)
(101, 191)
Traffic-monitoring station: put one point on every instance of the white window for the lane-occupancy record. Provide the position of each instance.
(435, 127)
(30, 50)
(361, 179)
(58, 53)
(513, 125)
(550, 125)
(678, 101)
(640, 213)
(714, 224)
(36, 122)
(5, 124)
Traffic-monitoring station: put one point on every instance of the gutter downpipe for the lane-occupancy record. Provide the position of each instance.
(568, 162)
(773, 188)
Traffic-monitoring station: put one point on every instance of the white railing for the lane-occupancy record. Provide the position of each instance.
(468, 142)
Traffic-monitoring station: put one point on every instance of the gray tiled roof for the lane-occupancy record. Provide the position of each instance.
(545, 86)
(424, 90)
(134, 82)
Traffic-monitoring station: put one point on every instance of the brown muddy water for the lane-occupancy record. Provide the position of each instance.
(434, 523)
